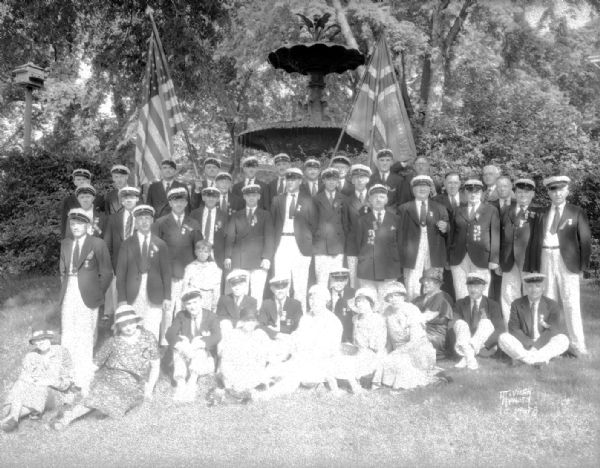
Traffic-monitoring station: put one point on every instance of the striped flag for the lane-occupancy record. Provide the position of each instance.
(159, 118)
(378, 117)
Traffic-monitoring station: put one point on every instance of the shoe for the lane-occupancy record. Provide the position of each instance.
(472, 363)
(461, 364)
(10, 425)
(488, 353)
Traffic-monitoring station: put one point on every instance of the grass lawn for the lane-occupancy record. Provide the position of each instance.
(461, 424)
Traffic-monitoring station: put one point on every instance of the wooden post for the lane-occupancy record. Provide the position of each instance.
(28, 106)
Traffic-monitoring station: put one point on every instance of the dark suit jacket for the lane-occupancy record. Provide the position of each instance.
(305, 220)
(345, 314)
(330, 235)
(520, 324)
(219, 232)
(196, 197)
(347, 189)
(113, 236)
(234, 203)
(248, 245)
(353, 210)
(228, 310)
(399, 186)
(502, 211)
(410, 234)
(237, 191)
(94, 271)
(210, 331)
(181, 241)
(516, 234)
(268, 315)
(271, 191)
(112, 204)
(129, 273)
(574, 239)
(305, 190)
(462, 311)
(379, 256)
(480, 237)
(157, 197)
(443, 199)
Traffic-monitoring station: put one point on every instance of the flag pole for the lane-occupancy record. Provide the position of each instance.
(192, 154)
(347, 119)
(375, 102)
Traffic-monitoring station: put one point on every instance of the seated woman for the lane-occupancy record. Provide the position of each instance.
(45, 378)
(370, 334)
(204, 274)
(412, 360)
(244, 354)
(436, 307)
(193, 337)
(127, 370)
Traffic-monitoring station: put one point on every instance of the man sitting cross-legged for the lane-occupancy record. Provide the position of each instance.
(478, 322)
(534, 333)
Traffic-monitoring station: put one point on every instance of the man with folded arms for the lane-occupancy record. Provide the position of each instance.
(534, 334)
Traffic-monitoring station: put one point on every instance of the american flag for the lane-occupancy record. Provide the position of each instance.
(378, 117)
(160, 117)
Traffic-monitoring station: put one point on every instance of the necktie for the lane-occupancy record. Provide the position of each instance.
(208, 225)
(145, 264)
(223, 204)
(168, 187)
(292, 206)
(313, 190)
(361, 198)
(554, 227)
(280, 186)
(379, 218)
(384, 178)
(535, 334)
(249, 215)
(128, 224)
(474, 310)
(471, 212)
(75, 262)
(330, 196)
(522, 211)
(178, 221)
(453, 202)
(423, 215)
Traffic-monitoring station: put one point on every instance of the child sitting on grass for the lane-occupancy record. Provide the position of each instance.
(45, 377)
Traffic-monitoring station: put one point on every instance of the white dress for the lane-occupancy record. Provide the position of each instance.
(205, 276)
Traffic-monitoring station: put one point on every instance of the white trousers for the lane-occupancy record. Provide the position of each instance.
(412, 276)
(324, 264)
(557, 345)
(352, 264)
(200, 363)
(78, 328)
(258, 277)
(510, 290)
(464, 338)
(563, 286)
(110, 298)
(290, 263)
(150, 313)
(459, 276)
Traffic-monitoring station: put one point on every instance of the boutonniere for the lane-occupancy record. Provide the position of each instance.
(365, 209)
(218, 225)
(96, 227)
(543, 323)
(521, 222)
(476, 216)
(189, 228)
(431, 214)
(371, 236)
(153, 250)
(90, 256)
(230, 211)
(390, 189)
(568, 222)
(253, 221)
(336, 204)
(298, 208)
(205, 333)
(393, 228)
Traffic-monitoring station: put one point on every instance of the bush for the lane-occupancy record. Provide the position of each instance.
(32, 187)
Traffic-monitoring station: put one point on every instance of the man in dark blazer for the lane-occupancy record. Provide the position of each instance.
(378, 237)
(180, 232)
(213, 222)
(281, 314)
(398, 188)
(477, 323)
(424, 227)
(311, 185)
(193, 338)
(229, 202)
(157, 191)
(342, 164)
(212, 166)
(560, 249)
(294, 219)
(535, 333)
(249, 168)
(474, 240)
(86, 273)
(517, 225)
(276, 187)
(330, 234)
(341, 293)
(120, 176)
(356, 205)
(451, 199)
(80, 177)
(249, 244)
(120, 226)
(230, 305)
(144, 272)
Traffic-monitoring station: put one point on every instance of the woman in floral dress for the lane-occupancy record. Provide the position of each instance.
(369, 340)
(127, 371)
(412, 360)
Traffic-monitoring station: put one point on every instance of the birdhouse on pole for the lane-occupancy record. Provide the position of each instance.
(30, 77)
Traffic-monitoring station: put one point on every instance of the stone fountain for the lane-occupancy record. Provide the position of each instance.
(315, 131)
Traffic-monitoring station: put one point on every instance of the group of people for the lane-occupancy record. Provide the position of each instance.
(319, 276)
